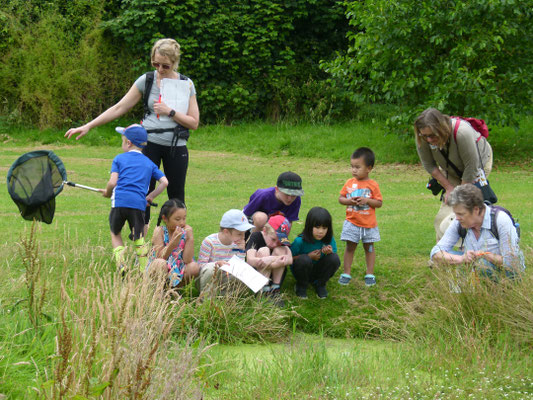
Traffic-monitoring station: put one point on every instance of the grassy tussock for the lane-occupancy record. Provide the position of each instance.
(483, 314)
(236, 316)
(113, 341)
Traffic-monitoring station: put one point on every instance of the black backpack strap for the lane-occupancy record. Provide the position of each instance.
(451, 164)
(493, 226)
(147, 88)
(462, 234)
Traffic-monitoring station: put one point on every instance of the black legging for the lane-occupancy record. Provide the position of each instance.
(175, 164)
(306, 272)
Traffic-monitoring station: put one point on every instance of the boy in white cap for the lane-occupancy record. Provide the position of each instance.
(131, 173)
(217, 249)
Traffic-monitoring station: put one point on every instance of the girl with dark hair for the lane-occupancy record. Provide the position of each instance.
(314, 252)
(173, 245)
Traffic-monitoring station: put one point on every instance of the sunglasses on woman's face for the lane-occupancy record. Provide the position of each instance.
(156, 65)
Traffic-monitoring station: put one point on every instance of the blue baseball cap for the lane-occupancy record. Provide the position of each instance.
(135, 133)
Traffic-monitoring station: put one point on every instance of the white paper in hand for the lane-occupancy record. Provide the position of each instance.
(245, 273)
(176, 94)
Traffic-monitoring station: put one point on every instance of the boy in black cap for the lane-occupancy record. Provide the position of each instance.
(284, 198)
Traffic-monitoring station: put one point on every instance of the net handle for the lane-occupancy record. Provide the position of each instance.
(80, 186)
(92, 189)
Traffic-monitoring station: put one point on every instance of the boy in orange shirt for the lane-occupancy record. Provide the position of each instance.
(361, 195)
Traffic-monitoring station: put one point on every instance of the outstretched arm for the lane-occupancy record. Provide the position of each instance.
(122, 107)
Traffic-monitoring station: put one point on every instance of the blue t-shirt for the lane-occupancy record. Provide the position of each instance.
(300, 246)
(134, 173)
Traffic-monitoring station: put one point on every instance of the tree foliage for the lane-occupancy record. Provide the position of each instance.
(67, 61)
(467, 58)
(241, 55)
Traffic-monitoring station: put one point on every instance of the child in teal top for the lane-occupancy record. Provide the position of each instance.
(314, 253)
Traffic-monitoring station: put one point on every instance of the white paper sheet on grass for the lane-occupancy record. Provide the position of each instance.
(175, 93)
(245, 273)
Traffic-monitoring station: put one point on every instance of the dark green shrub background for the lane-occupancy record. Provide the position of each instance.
(64, 62)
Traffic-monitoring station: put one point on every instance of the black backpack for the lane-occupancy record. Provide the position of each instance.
(494, 210)
(180, 132)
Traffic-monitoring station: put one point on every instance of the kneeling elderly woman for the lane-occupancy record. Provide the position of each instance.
(491, 247)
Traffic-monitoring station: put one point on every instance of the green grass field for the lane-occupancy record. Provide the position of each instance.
(324, 349)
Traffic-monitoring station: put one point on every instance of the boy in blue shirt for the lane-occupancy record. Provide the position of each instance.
(131, 173)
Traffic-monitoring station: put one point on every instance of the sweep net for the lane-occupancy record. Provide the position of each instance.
(33, 182)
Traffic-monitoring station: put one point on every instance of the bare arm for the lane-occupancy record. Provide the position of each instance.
(122, 107)
(190, 120)
(163, 251)
(163, 183)
(110, 185)
(188, 251)
(357, 201)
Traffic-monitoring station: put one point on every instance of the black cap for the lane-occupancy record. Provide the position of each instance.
(290, 183)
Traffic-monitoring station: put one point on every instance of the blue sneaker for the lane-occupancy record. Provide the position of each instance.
(370, 280)
(345, 279)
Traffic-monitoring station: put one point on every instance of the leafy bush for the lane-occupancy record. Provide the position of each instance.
(464, 58)
(59, 67)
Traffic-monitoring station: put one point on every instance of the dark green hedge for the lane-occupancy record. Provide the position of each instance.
(65, 62)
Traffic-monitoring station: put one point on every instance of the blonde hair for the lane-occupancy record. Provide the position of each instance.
(269, 230)
(440, 124)
(168, 48)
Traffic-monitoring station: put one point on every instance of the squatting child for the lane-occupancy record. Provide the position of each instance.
(283, 198)
(314, 254)
(131, 173)
(268, 252)
(218, 248)
(361, 196)
(173, 245)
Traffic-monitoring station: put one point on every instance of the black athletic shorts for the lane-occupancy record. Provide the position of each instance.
(135, 217)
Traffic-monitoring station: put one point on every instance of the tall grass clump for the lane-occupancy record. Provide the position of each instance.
(104, 336)
(35, 283)
(466, 313)
(231, 314)
(113, 340)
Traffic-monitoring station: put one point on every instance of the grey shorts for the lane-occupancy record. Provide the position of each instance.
(356, 234)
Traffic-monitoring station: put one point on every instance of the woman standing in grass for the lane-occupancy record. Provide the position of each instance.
(167, 127)
(314, 253)
(450, 151)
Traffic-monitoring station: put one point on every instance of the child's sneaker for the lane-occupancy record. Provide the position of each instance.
(321, 291)
(345, 279)
(370, 280)
(301, 291)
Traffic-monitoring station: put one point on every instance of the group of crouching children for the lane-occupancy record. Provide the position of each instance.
(258, 234)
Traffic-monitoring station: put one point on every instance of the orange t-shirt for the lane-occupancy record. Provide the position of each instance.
(363, 216)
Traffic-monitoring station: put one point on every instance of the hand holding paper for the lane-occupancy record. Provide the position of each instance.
(245, 273)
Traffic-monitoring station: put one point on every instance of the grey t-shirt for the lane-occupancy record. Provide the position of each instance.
(152, 122)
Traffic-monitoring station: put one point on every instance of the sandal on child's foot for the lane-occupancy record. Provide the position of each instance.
(345, 279)
(370, 280)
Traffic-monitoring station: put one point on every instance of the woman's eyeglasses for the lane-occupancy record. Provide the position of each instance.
(426, 137)
(156, 65)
